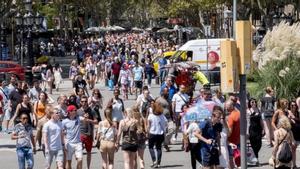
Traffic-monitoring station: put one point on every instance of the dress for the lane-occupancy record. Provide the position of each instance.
(224, 157)
(57, 76)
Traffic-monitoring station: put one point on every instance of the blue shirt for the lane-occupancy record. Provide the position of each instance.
(72, 130)
(209, 131)
(138, 73)
(162, 62)
(172, 91)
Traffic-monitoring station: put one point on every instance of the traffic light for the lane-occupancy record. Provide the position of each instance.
(243, 42)
(229, 66)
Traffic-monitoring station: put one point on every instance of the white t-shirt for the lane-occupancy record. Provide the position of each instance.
(138, 73)
(53, 131)
(117, 110)
(191, 130)
(158, 124)
(180, 99)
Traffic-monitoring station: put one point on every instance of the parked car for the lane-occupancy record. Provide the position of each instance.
(12, 68)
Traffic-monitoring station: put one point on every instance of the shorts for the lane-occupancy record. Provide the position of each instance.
(266, 116)
(142, 146)
(7, 115)
(41, 123)
(129, 147)
(107, 146)
(138, 84)
(87, 142)
(208, 158)
(74, 148)
(92, 72)
(58, 155)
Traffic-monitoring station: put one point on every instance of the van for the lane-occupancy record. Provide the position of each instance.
(204, 52)
(198, 51)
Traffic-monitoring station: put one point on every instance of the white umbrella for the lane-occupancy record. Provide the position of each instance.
(92, 29)
(137, 29)
(165, 30)
(103, 29)
(118, 28)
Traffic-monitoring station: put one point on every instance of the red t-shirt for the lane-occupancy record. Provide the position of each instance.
(234, 125)
(116, 68)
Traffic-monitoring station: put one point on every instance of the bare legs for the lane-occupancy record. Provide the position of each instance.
(141, 157)
(129, 160)
(268, 130)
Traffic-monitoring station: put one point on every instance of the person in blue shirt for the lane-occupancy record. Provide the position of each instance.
(162, 71)
(172, 89)
(209, 136)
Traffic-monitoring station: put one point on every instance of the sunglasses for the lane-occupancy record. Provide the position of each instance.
(83, 101)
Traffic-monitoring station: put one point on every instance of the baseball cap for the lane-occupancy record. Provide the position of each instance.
(71, 108)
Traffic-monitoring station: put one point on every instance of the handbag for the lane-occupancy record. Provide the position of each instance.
(237, 157)
(98, 143)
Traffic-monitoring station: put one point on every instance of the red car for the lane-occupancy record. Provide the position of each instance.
(12, 68)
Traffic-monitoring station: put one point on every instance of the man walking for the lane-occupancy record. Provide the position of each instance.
(86, 127)
(178, 101)
(138, 78)
(54, 140)
(71, 127)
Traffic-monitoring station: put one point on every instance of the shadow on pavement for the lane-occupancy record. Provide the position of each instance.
(261, 165)
(171, 166)
(8, 146)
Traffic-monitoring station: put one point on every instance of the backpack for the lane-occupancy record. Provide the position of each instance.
(285, 153)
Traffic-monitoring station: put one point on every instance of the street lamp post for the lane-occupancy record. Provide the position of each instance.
(26, 25)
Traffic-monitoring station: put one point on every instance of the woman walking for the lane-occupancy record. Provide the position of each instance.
(91, 73)
(295, 122)
(50, 77)
(282, 133)
(57, 76)
(117, 106)
(39, 110)
(124, 80)
(73, 72)
(25, 108)
(128, 128)
(256, 127)
(96, 103)
(107, 135)
(142, 136)
(267, 108)
(25, 145)
(157, 124)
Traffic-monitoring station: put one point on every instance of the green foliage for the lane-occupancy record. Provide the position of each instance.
(278, 59)
(284, 76)
(49, 11)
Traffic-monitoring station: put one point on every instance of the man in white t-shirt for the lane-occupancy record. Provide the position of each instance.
(138, 78)
(71, 126)
(178, 101)
(53, 139)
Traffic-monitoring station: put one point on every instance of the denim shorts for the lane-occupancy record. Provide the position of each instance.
(25, 154)
(209, 158)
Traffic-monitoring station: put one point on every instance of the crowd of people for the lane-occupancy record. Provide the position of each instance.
(74, 123)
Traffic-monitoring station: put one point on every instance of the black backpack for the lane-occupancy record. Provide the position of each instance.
(285, 154)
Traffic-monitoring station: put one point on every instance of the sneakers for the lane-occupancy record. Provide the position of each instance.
(167, 148)
(157, 166)
(153, 165)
